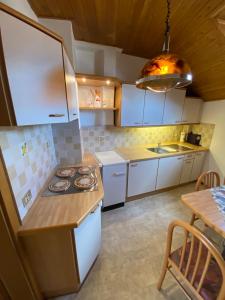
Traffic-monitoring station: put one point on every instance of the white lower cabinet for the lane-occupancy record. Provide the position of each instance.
(114, 182)
(187, 168)
(88, 241)
(169, 171)
(142, 177)
(197, 165)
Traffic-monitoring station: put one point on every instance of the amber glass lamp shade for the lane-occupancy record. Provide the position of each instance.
(164, 72)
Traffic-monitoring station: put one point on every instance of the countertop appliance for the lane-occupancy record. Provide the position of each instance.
(72, 188)
(114, 177)
(194, 138)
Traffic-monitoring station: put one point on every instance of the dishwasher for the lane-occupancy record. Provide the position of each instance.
(114, 178)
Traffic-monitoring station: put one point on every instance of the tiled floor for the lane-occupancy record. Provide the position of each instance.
(133, 244)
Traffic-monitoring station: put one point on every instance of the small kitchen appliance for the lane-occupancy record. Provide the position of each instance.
(194, 138)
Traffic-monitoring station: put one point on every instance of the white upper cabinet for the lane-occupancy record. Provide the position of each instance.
(71, 88)
(174, 106)
(192, 110)
(35, 72)
(153, 108)
(132, 105)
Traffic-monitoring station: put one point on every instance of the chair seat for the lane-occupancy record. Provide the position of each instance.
(213, 279)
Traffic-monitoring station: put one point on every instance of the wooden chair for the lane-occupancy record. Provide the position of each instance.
(198, 264)
(205, 181)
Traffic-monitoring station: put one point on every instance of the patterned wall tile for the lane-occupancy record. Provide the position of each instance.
(107, 138)
(28, 172)
(67, 142)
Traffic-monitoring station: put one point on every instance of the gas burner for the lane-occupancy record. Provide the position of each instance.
(66, 172)
(59, 186)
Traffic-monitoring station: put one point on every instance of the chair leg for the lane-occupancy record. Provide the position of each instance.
(193, 218)
(162, 275)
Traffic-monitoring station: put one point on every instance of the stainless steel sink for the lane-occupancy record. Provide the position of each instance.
(168, 149)
(178, 148)
(158, 150)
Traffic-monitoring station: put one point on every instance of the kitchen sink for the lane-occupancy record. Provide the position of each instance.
(169, 149)
(178, 148)
(158, 150)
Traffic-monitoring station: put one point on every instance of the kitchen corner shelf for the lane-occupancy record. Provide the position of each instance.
(97, 108)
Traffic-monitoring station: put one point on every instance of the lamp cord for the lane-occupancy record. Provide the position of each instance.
(168, 18)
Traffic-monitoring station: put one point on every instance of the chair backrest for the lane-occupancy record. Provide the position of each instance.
(207, 180)
(205, 250)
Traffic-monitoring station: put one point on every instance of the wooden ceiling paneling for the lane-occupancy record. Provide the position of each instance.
(137, 26)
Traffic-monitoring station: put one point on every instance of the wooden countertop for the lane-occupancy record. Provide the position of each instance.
(62, 210)
(138, 153)
(203, 205)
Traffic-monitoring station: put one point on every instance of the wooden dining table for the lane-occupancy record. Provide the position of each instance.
(204, 206)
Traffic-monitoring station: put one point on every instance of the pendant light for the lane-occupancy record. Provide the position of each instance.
(167, 70)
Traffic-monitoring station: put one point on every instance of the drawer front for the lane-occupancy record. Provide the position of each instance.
(186, 170)
(142, 177)
(88, 241)
(169, 171)
(114, 182)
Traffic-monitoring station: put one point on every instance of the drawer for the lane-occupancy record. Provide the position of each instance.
(114, 183)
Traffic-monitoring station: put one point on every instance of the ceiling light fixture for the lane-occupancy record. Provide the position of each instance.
(108, 82)
(84, 79)
(167, 70)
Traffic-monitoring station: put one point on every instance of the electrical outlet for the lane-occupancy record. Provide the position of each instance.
(24, 149)
(26, 198)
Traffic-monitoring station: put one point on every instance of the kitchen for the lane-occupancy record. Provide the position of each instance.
(81, 138)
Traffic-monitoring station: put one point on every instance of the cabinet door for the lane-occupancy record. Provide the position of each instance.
(142, 177)
(153, 108)
(187, 169)
(174, 106)
(34, 66)
(198, 165)
(114, 182)
(192, 110)
(169, 171)
(71, 88)
(88, 242)
(132, 105)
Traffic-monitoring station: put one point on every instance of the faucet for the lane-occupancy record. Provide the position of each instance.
(159, 144)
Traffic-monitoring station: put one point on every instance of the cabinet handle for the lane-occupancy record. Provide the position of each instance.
(188, 161)
(178, 122)
(94, 210)
(137, 123)
(118, 174)
(74, 114)
(180, 158)
(146, 123)
(134, 165)
(56, 115)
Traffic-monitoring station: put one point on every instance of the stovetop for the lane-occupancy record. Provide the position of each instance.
(72, 189)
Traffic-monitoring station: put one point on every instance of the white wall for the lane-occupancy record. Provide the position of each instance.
(22, 6)
(214, 112)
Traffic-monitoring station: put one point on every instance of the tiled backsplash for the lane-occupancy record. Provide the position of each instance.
(67, 142)
(107, 138)
(31, 170)
(28, 171)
